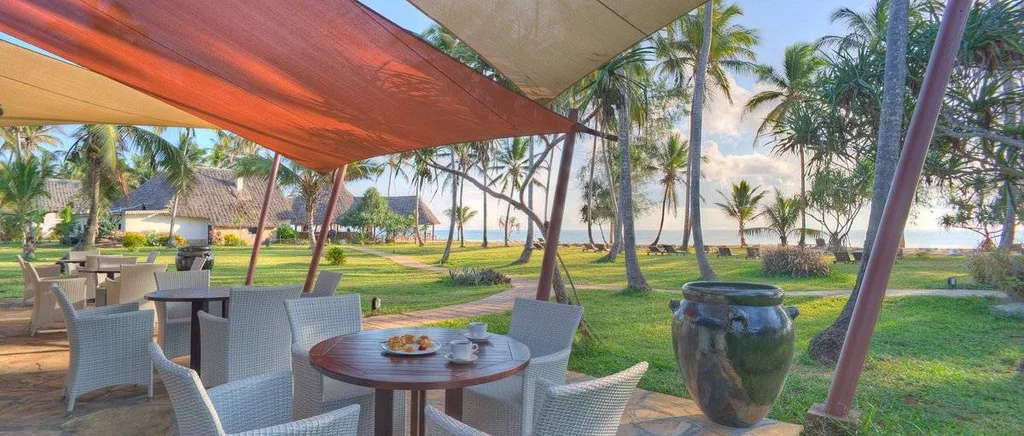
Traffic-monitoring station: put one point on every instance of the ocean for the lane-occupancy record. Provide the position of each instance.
(955, 238)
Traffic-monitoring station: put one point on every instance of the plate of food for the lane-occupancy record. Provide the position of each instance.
(409, 345)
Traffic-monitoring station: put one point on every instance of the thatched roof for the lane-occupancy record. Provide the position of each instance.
(62, 193)
(401, 205)
(215, 197)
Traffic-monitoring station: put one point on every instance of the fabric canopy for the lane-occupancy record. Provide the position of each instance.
(37, 89)
(324, 82)
(546, 46)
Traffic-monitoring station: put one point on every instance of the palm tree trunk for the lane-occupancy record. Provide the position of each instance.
(696, 119)
(743, 238)
(590, 194)
(825, 347)
(310, 208)
(661, 224)
(462, 224)
(686, 213)
(1009, 219)
(92, 226)
(634, 276)
(803, 198)
(28, 242)
(174, 216)
(416, 216)
(484, 165)
(527, 252)
(613, 251)
(508, 211)
(454, 215)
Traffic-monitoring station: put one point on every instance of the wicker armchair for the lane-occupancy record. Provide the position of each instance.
(313, 320)
(108, 347)
(174, 320)
(45, 310)
(255, 340)
(94, 280)
(31, 275)
(78, 255)
(592, 408)
(132, 285)
(259, 405)
(326, 284)
(505, 407)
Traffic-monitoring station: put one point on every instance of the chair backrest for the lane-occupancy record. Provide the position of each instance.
(152, 256)
(326, 284)
(181, 279)
(197, 264)
(81, 255)
(124, 260)
(28, 272)
(842, 256)
(193, 411)
(137, 281)
(259, 339)
(70, 295)
(592, 407)
(544, 327)
(315, 319)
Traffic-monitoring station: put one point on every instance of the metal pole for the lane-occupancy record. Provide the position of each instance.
(554, 230)
(897, 206)
(314, 263)
(263, 220)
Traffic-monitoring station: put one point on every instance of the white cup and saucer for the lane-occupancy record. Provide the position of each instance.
(463, 352)
(477, 332)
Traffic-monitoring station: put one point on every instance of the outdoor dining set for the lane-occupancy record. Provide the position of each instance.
(277, 360)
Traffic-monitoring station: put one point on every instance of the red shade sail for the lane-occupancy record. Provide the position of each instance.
(324, 82)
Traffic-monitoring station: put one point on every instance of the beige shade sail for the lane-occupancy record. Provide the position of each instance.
(546, 46)
(36, 89)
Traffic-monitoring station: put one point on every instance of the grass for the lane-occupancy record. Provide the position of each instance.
(401, 289)
(919, 271)
(937, 365)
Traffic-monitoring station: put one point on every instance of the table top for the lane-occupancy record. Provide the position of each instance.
(200, 293)
(102, 269)
(80, 262)
(358, 359)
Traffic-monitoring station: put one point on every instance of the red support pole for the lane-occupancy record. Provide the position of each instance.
(314, 263)
(263, 220)
(897, 206)
(554, 230)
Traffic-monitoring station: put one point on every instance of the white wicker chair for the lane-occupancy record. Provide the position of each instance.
(108, 347)
(316, 319)
(197, 264)
(132, 285)
(152, 256)
(174, 320)
(94, 280)
(258, 405)
(505, 407)
(326, 284)
(31, 275)
(592, 408)
(255, 340)
(46, 312)
(78, 255)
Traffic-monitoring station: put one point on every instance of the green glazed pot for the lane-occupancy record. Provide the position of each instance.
(734, 346)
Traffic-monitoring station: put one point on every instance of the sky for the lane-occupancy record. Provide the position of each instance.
(729, 137)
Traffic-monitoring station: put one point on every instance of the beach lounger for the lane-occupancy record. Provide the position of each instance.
(842, 257)
(724, 251)
(669, 249)
(589, 247)
(600, 247)
(654, 249)
(858, 256)
(753, 252)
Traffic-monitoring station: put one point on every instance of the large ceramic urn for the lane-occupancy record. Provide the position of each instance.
(734, 346)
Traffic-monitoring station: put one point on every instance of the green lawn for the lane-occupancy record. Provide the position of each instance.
(401, 289)
(937, 365)
(922, 271)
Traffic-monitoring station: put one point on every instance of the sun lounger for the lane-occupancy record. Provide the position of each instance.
(600, 247)
(669, 249)
(753, 252)
(654, 249)
(842, 257)
(724, 251)
(857, 256)
(589, 247)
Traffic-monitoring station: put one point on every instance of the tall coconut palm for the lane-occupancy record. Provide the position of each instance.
(420, 174)
(22, 187)
(483, 153)
(741, 205)
(453, 180)
(799, 129)
(98, 149)
(25, 140)
(783, 217)
(309, 185)
(229, 148)
(511, 163)
(669, 161)
(179, 167)
(462, 216)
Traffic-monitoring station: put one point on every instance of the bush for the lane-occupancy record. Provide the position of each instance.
(133, 240)
(474, 277)
(285, 231)
(216, 238)
(232, 240)
(335, 256)
(794, 262)
(154, 239)
(1003, 270)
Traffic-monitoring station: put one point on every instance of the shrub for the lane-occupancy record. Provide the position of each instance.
(232, 240)
(1003, 270)
(133, 240)
(794, 262)
(475, 276)
(154, 239)
(335, 256)
(216, 238)
(285, 231)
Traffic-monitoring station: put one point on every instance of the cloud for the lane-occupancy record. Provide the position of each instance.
(770, 171)
(728, 119)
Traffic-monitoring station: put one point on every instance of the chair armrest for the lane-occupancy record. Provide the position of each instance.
(113, 291)
(117, 330)
(342, 422)
(443, 425)
(110, 310)
(48, 271)
(255, 402)
(550, 368)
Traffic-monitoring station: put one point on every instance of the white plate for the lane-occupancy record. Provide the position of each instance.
(452, 359)
(387, 350)
(484, 338)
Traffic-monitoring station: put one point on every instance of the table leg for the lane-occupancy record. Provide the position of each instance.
(418, 421)
(453, 403)
(194, 345)
(382, 411)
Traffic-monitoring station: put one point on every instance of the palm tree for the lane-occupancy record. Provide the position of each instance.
(22, 187)
(452, 216)
(25, 140)
(462, 215)
(179, 167)
(229, 148)
(782, 216)
(483, 152)
(98, 149)
(419, 175)
(669, 160)
(800, 128)
(741, 205)
(511, 162)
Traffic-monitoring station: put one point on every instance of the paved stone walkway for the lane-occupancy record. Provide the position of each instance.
(951, 293)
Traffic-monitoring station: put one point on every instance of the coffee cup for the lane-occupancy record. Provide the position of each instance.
(477, 329)
(463, 349)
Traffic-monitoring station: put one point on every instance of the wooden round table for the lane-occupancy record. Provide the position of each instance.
(65, 262)
(358, 359)
(109, 270)
(200, 297)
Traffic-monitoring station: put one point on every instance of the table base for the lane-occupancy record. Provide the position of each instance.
(383, 410)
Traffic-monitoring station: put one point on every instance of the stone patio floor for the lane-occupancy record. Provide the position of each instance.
(32, 370)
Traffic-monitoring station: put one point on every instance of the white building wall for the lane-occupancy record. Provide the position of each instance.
(193, 229)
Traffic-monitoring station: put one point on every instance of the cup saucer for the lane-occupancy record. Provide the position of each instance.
(452, 359)
(483, 338)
